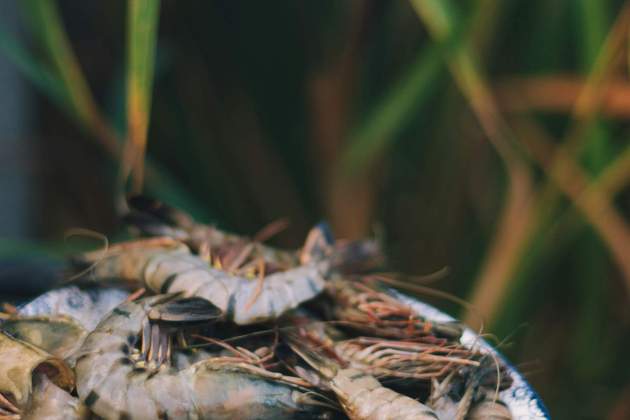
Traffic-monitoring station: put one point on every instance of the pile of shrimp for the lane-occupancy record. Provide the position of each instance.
(217, 325)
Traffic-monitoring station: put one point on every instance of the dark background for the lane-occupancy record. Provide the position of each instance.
(382, 122)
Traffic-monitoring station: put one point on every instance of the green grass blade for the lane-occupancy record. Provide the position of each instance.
(442, 19)
(35, 71)
(61, 80)
(142, 23)
(378, 130)
(592, 22)
(48, 28)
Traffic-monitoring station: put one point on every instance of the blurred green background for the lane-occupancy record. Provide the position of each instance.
(484, 136)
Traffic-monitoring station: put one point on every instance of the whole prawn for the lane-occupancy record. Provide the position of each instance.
(165, 265)
(360, 394)
(154, 218)
(114, 384)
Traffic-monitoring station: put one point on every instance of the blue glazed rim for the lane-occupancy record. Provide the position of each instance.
(523, 401)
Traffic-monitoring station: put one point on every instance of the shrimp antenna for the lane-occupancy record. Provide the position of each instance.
(271, 229)
(436, 293)
(87, 233)
(497, 366)
(432, 292)
(510, 336)
(421, 279)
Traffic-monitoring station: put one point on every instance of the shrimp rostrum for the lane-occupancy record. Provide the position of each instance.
(123, 371)
(165, 265)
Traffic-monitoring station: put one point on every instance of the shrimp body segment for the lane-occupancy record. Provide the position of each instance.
(364, 398)
(114, 385)
(167, 266)
(488, 409)
(242, 300)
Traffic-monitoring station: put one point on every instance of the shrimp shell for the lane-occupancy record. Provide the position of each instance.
(113, 386)
(489, 410)
(19, 361)
(167, 266)
(364, 398)
(51, 402)
(58, 335)
(360, 394)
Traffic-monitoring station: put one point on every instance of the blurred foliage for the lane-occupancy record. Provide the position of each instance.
(486, 136)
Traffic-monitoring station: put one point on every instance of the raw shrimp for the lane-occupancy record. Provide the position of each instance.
(154, 218)
(52, 403)
(422, 358)
(20, 360)
(114, 383)
(167, 266)
(360, 394)
(58, 335)
(363, 398)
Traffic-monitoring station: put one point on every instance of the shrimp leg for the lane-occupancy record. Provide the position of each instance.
(167, 318)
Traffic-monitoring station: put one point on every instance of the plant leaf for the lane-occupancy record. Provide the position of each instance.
(142, 22)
